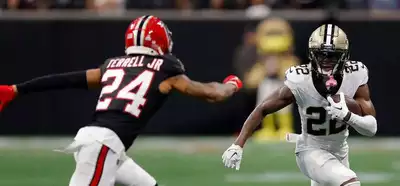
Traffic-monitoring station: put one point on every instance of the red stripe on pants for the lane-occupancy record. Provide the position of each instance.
(99, 166)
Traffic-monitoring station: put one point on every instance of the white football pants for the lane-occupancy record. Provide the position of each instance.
(98, 165)
(323, 168)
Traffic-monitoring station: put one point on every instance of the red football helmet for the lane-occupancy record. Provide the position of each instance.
(148, 33)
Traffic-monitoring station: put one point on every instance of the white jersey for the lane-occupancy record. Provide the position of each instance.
(318, 130)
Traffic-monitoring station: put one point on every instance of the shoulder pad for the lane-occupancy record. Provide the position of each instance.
(297, 74)
(174, 66)
(295, 78)
(357, 70)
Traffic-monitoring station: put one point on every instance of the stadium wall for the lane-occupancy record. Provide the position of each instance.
(34, 47)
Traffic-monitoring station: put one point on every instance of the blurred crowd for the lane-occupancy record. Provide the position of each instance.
(267, 51)
(259, 7)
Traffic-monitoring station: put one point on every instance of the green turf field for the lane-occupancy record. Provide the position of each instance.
(196, 162)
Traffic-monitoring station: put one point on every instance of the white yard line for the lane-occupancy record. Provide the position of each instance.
(295, 177)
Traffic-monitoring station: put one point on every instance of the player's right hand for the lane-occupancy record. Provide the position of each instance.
(233, 156)
(234, 80)
(337, 110)
(7, 94)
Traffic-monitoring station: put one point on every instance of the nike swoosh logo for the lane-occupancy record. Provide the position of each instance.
(235, 153)
(339, 108)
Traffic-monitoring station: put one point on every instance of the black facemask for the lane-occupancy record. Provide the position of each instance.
(327, 66)
(328, 62)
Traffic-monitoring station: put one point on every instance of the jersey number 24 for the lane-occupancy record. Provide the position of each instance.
(135, 99)
(320, 121)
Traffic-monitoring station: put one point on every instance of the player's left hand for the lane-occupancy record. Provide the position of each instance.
(7, 94)
(337, 110)
(233, 156)
(234, 80)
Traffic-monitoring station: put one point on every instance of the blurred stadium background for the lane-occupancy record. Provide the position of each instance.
(183, 144)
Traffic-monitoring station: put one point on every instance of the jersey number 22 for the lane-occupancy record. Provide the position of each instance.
(320, 120)
(135, 100)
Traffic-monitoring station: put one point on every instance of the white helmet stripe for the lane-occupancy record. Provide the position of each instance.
(329, 34)
(142, 35)
(139, 31)
(135, 31)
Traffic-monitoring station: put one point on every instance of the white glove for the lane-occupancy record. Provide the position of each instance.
(337, 110)
(233, 156)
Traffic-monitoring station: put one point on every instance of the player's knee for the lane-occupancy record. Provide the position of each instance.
(131, 174)
(351, 182)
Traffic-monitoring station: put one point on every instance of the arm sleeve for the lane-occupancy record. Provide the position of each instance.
(54, 82)
(365, 125)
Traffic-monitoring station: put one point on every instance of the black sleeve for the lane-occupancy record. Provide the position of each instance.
(173, 65)
(54, 82)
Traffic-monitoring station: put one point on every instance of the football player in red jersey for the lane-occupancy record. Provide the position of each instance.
(134, 87)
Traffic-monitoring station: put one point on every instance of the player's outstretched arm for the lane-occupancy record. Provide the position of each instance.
(278, 100)
(366, 124)
(79, 79)
(208, 91)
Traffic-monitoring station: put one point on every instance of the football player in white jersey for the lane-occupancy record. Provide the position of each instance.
(321, 148)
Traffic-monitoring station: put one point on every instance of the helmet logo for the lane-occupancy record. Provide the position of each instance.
(129, 36)
(148, 38)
